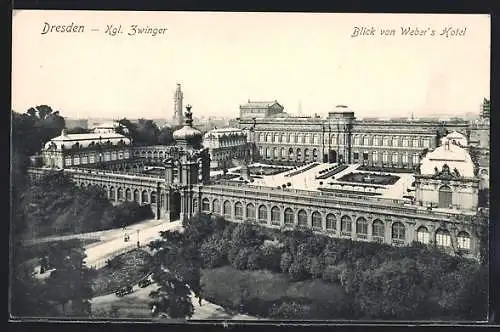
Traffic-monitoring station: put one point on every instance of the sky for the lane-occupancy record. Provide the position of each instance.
(309, 62)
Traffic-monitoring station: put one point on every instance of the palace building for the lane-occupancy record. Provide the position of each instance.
(226, 145)
(342, 138)
(432, 196)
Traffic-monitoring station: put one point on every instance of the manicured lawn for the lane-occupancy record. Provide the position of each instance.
(372, 178)
(127, 269)
(266, 170)
(229, 288)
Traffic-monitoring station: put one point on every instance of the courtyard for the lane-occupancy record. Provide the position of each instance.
(370, 178)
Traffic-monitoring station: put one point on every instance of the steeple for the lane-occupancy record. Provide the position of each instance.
(178, 97)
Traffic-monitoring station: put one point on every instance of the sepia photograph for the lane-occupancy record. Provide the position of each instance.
(249, 166)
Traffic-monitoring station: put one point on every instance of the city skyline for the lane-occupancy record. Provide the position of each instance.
(224, 59)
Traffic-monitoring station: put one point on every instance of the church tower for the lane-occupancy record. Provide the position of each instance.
(178, 117)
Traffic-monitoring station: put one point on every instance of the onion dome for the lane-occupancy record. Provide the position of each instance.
(188, 136)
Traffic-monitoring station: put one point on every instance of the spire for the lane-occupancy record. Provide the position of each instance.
(189, 116)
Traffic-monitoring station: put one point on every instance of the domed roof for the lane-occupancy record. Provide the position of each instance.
(188, 135)
(186, 132)
(455, 137)
(449, 154)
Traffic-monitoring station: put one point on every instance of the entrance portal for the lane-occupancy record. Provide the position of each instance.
(332, 157)
(445, 197)
(175, 206)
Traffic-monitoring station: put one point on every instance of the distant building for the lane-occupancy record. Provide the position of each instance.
(485, 109)
(108, 128)
(260, 109)
(225, 145)
(75, 123)
(178, 118)
(69, 150)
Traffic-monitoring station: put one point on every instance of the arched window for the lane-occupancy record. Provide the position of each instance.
(361, 228)
(315, 154)
(395, 157)
(299, 154)
(275, 215)
(216, 206)
(445, 195)
(153, 197)
(443, 238)
(385, 157)
(283, 153)
(290, 153)
(275, 153)
(268, 153)
(423, 235)
(205, 205)
(385, 141)
(137, 196)
(302, 218)
(288, 216)
(378, 230)
(227, 209)
(263, 214)
(316, 220)
(404, 158)
(238, 210)
(250, 211)
(463, 241)
(306, 154)
(145, 198)
(415, 159)
(398, 232)
(333, 140)
(112, 193)
(395, 141)
(331, 222)
(128, 194)
(195, 205)
(346, 226)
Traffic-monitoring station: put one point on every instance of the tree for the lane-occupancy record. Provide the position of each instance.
(289, 310)
(71, 281)
(172, 296)
(286, 261)
(166, 136)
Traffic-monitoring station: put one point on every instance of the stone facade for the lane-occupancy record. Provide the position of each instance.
(342, 138)
(225, 146)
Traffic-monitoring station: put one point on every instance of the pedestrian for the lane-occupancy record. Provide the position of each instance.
(138, 245)
(199, 298)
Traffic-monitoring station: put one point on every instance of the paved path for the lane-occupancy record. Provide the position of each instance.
(98, 253)
(137, 304)
(99, 235)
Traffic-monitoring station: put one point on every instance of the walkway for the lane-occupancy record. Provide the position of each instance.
(99, 235)
(136, 305)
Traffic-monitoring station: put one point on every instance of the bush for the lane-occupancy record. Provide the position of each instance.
(331, 273)
(316, 268)
(271, 258)
(297, 271)
(285, 262)
(289, 310)
(241, 259)
(255, 261)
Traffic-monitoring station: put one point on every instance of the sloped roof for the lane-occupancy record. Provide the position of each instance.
(85, 139)
(252, 104)
(450, 154)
